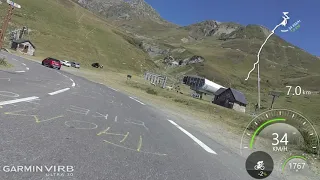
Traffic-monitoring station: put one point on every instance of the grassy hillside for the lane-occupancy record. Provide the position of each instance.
(63, 29)
(4, 64)
(229, 59)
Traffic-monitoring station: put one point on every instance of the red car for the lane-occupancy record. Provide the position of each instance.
(52, 63)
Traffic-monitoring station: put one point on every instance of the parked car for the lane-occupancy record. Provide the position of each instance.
(52, 63)
(97, 65)
(75, 65)
(65, 63)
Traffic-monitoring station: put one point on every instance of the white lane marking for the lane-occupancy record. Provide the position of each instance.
(137, 100)
(20, 71)
(18, 100)
(112, 88)
(32, 101)
(13, 59)
(73, 83)
(27, 68)
(24, 64)
(205, 147)
(59, 91)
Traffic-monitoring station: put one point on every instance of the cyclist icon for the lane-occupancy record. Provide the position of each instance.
(259, 166)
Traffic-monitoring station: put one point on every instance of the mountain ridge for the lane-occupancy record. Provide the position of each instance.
(123, 10)
(78, 34)
(138, 17)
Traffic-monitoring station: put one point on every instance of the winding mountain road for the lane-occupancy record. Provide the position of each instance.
(53, 118)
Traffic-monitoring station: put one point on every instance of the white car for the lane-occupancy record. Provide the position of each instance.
(76, 65)
(65, 63)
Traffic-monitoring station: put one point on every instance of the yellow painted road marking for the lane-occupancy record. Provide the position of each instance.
(103, 132)
(38, 121)
(140, 144)
(125, 137)
(15, 113)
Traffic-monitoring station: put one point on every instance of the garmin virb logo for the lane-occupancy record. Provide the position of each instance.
(48, 170)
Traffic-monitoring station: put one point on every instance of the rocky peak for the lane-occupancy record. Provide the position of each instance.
(205, 28)
(121, 9)
(210, 28)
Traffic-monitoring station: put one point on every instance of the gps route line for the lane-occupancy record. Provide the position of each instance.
(261, 126)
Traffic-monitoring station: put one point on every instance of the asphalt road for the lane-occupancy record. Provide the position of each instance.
(52, 118)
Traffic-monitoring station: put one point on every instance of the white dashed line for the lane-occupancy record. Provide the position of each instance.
(27, 68)
(14, 59)
(20, 71)
(18, 100)
(205, 147)
(24, 64)
(59, 91)
(137, 100)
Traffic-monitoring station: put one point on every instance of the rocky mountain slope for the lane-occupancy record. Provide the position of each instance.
(121, 9)
(133, 15)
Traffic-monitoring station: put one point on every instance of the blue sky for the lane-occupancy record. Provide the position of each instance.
(264, 12)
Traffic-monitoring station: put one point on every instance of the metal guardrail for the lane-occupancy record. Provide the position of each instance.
(156, 79)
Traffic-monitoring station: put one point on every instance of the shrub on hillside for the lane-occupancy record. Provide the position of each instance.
(151, 91)
(3, 62)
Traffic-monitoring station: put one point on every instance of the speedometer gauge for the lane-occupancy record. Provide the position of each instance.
(287, 136)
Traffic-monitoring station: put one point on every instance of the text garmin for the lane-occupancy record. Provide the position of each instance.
(49, 170)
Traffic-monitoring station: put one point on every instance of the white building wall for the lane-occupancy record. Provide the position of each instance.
(239, 108)
(31, 50)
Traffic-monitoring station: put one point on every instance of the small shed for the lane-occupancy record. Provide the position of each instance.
(23, 46)
(231, 98)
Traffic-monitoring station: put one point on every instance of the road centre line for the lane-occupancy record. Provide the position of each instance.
(205, 147)
(59, 91)
(73, 83)
(20, 71)
(18, 100)
(137, 100)
(24, 64)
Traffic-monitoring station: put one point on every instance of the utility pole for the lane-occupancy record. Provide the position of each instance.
(7, 19)
(259, 99)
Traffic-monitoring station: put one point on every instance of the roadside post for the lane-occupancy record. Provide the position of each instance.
(7, 19)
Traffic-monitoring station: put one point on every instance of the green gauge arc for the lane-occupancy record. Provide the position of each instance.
(292, 157)
(261, 126)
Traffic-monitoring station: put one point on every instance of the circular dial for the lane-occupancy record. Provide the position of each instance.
(289, 138)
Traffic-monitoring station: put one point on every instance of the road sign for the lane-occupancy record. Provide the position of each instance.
(13, 4)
